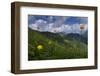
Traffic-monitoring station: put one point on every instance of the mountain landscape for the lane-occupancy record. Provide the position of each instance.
(48, 45)
(57, 37)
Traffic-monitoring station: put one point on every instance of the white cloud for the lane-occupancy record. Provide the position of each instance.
(33, 26)
(42, 26)
(59, 21)
(39, 25)
(75, 28)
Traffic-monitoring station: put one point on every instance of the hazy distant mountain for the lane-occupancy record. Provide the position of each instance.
(85, 34)
(71, 36)
(61, 36)
(76, 36)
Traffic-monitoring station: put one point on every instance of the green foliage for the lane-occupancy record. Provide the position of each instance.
(54, 47)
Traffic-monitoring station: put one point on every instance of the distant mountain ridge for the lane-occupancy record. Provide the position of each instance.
(71, 36)
(76, 36)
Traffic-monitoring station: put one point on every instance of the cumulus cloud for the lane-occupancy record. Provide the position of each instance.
(75, 28)
(39, 25)
(56, 26)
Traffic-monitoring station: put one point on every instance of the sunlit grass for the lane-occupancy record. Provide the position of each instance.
(43, 48)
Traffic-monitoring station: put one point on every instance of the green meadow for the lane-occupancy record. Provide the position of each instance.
(48, 46)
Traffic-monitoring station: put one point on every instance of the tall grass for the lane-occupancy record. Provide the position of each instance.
(53, 49)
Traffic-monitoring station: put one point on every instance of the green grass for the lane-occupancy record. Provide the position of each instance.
(53, 48)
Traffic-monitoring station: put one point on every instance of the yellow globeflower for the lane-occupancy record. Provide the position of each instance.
(39, 47)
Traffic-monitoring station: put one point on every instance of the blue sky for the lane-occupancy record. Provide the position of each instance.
(66, 24)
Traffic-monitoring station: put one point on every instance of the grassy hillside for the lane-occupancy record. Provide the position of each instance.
(45, 45)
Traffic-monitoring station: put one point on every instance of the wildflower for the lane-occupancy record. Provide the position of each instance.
(39, 47)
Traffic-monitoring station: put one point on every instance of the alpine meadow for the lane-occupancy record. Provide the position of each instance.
(57, 37)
